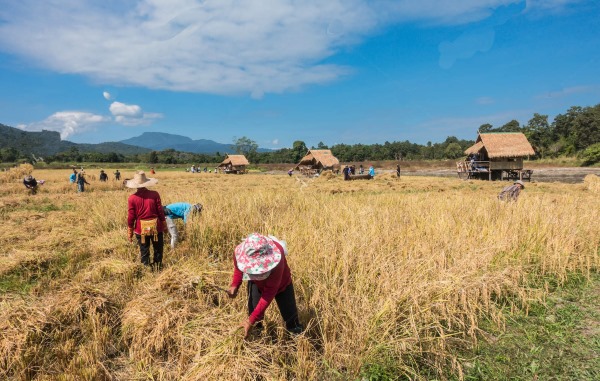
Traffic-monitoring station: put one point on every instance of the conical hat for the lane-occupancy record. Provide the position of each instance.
(140, 181)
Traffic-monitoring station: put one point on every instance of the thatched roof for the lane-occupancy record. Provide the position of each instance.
(234, 160)
(502, 144)
(324, 157)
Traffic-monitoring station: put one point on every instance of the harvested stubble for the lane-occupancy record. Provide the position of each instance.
(385, 276)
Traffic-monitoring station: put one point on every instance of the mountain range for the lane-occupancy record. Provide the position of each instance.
(44, 143)
(158, 141)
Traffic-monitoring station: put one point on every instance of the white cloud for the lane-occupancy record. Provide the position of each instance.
(67, 123)
(215, 46)
(275, 142)
(106, 95)
(131, 115)
(121, 109)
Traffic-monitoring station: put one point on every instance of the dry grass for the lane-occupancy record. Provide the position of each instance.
(387, 271)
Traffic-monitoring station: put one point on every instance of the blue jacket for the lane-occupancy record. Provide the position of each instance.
(179, 210)
(73, 177)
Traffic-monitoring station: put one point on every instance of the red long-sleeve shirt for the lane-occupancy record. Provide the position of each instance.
(277, 281)
(145, 205)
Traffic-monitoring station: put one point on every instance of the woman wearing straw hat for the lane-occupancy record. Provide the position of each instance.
(262, 260)
(146, 218)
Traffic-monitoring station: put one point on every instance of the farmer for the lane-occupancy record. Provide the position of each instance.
(73, 176)
(146, 218)
(261, 259)
(30, 183)
(81, 181)
(398, 170)
(372, 171)
(178, 210)
(117, 175)
(103, 175)
(511, 192)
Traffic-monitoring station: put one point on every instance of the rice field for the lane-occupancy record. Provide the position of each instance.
(391, 275)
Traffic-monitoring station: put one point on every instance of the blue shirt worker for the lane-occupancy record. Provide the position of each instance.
(178, 210)
(372, 171)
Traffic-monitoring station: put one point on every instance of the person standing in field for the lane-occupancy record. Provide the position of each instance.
(262, 260)
(177, 210)
(398, 170)
(81, 181)
(511, 192)
(103, 175)
(73, 176)
(146, 218)
(117, 175)
(372, 171)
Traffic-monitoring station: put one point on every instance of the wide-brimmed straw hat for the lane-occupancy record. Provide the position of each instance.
(521, 183)
(141, 181)
(257, 254)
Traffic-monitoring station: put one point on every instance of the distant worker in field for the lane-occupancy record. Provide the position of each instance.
(290, 172)
(346, 172)
(81, 181)
(361, 170)
(262, 260)
(152, 171)
(398, 170)
(511, 192)
(178, 210)
(146, 218)
(103, 175)
(372, 171)
(73, 176)
(117, 175)
(30, 183)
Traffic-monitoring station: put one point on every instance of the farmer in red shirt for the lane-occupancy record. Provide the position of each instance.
(146, 218)
(262, 261)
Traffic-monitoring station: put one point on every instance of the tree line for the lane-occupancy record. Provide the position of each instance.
(574, 133)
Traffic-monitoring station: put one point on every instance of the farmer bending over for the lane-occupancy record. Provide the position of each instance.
(178, 210)
(262, 261)
(511, 192)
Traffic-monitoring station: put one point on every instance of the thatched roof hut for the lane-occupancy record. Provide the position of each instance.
(502, 145)
(234, 164)
(497, 155)
(319, 159)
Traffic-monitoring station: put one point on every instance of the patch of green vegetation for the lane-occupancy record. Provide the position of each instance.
(558, 340)
(28, 275)
(15, 283)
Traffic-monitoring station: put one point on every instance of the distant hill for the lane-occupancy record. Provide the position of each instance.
(44, 143)
(160, 141)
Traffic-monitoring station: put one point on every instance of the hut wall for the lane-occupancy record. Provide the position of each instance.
(504, 164)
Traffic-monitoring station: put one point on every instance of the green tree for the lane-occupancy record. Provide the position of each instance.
(539, 133)
(485, 128)
(153, 157)
(453, 151)
(299, 149)
(512, 126)
(591, 155)
(244, 146)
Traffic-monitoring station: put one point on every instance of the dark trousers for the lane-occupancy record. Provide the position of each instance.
(286, 301)
(145, 249)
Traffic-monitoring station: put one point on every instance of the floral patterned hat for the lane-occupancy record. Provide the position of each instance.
(258, 254)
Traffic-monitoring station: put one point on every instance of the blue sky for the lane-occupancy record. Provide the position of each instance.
(334, 71)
